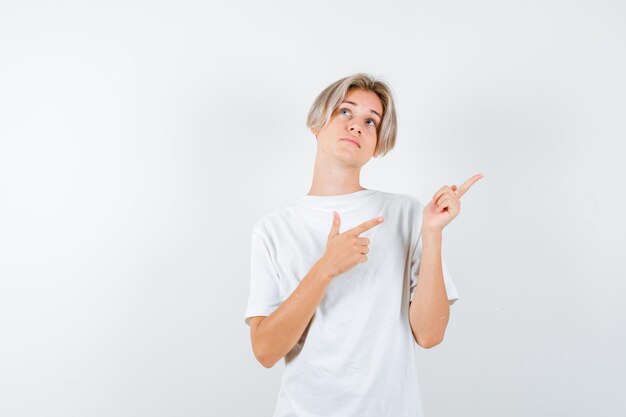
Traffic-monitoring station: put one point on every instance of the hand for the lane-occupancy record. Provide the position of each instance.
(345, 250)
(445, 205)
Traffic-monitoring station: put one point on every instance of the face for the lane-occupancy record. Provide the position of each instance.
(352, 131)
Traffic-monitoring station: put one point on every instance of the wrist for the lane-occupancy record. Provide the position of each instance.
(324, 270)
(431, 233)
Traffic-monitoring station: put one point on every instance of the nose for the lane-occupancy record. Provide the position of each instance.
(355, 127)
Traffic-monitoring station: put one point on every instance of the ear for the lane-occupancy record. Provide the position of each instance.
(315, 132)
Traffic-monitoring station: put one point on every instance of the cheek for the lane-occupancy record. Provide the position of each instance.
(373, 139)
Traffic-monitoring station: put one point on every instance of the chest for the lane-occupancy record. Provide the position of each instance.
(301, 245)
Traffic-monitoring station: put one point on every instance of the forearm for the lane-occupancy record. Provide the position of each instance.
(429, 311)
(279, 332)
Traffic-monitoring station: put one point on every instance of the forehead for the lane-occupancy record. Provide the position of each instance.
(366, 99)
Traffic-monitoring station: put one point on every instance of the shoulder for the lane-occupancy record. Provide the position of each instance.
(272, 220)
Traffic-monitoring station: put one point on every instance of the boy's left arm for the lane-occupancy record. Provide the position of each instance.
(430, 310)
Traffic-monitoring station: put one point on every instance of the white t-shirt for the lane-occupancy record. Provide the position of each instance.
(357, 356)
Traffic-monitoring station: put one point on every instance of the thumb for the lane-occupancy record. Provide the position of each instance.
(334, 230)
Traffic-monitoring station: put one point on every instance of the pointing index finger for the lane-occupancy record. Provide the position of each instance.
(365, 226)
(467, 184)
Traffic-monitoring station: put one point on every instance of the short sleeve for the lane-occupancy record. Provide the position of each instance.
(264, 295)
(451, 289)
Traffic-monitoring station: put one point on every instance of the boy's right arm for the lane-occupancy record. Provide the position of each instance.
(275, 335)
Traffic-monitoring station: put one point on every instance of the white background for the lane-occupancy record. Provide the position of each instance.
(140, 141)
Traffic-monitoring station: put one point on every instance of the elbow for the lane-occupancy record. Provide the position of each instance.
(265, 361)
(428, 337)
(261, 355)
(428, 342)
(260, 346)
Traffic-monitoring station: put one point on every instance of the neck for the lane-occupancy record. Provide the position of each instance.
(333, 177)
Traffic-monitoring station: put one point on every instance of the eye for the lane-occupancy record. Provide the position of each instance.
(347, 111)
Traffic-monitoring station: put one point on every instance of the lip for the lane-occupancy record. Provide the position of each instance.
(352, 141)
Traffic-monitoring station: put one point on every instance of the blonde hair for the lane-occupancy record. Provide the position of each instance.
(332, 96)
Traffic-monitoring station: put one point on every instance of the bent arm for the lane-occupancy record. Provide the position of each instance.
(275, 335)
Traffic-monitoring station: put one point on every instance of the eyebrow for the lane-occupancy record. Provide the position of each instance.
(354, 104)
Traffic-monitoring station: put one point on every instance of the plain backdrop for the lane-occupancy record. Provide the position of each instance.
(140, 141)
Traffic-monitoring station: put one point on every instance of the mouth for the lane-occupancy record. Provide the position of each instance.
(351, 141)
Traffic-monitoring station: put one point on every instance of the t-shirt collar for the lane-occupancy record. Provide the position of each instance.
(336, 202)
